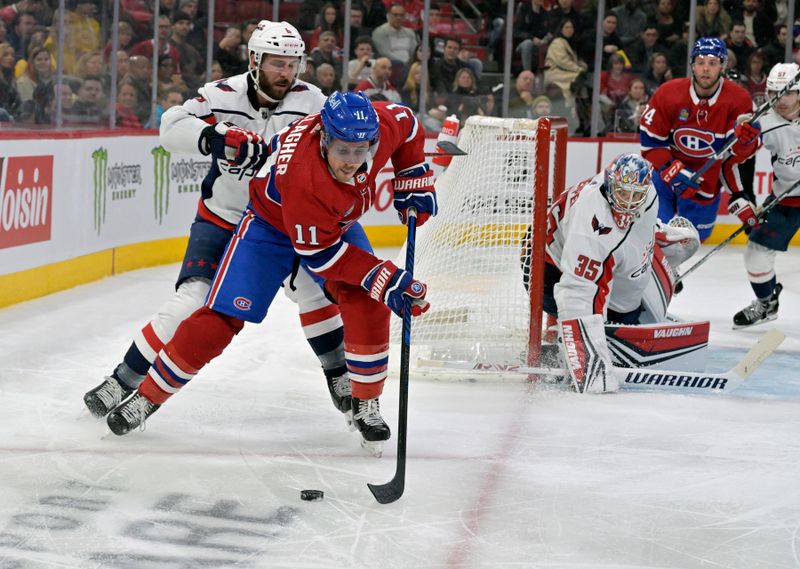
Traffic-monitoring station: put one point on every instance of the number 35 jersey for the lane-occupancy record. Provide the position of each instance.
(603, 257)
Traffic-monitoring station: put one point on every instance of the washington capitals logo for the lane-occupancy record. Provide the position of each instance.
(599, 227)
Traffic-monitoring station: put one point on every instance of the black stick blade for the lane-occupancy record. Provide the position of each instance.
(450, 148)
(389, 492)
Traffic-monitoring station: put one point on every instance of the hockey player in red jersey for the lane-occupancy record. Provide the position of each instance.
(686, 121)
(236, 112)
(318, 181)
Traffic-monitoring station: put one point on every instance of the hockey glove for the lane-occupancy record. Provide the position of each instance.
(742, 208)
(416, 192)
(238, 146)
(679, 178)
(747, 137)
(388, 284)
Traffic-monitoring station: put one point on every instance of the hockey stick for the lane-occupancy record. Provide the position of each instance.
(643, 379)
(447, 148)
(760, 111)
(761, 215)
(392, 490)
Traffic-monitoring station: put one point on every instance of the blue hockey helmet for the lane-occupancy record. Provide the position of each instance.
(710, 46)
(349, 117)
(628, 182)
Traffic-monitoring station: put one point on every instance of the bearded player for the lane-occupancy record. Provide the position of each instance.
(686, 121)
(781, 136)
(318, 181)
(235, 114)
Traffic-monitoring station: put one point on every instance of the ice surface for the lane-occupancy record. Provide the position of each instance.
(500, 475)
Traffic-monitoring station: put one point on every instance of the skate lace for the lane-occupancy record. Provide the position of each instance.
(136, 411)
(110, 393)
(756, 310)
(342, 386)
(369, 411)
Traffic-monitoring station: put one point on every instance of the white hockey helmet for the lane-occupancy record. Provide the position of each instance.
(275, 38)
(780, 75)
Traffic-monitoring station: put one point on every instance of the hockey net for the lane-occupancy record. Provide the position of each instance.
(469, 254)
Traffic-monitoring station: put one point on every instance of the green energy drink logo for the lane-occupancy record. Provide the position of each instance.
(100, 186)
(161, 177)
(117, 182)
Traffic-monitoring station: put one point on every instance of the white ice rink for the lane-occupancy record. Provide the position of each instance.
(500, 475)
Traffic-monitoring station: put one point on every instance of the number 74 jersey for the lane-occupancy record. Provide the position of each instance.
(604, 259)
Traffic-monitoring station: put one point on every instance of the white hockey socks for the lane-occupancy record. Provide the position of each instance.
(583, 345)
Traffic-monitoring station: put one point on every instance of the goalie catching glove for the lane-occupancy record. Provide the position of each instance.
(388, 284)
(238, 146)
(585, 351)
(415, 192)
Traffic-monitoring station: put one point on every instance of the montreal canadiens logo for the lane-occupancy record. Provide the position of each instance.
(694, 143)
(416, 287)
(242, 303)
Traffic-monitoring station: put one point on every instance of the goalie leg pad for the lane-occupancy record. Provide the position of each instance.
(675, 346)
(584, 347)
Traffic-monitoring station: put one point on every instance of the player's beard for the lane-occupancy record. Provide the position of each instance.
(705, 81)
(276, 90)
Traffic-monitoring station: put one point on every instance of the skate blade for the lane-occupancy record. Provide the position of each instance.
(375, 448)
(762, 321)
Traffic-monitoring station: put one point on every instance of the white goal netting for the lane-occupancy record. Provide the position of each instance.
(469, 254)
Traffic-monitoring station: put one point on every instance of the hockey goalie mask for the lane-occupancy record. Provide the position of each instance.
(628, 181)
(779, 76)
(274, 38)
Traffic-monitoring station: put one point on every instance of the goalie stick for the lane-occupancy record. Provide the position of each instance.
(761, 215)
(392, 490)
(643, 379)
(760, 111)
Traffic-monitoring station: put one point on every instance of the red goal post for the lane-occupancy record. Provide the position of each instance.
(469, 254)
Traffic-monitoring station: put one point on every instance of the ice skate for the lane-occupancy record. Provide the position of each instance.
(103, 398)
(131, 414)
(368, 420)
(341, 394)
(759, 311)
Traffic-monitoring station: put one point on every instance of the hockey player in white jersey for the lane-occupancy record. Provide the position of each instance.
(235, 114)
(600, 241)
(780, 135)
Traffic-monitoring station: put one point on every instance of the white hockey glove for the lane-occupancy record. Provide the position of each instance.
(743, 208)
(585, 351)
(678, 240)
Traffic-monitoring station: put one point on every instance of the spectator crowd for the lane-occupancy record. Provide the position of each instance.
(644, 44)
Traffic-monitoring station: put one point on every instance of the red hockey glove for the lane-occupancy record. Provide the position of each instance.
(388, 284)
(416, 192)
(747, 135)
(742, 208)
(679, 178)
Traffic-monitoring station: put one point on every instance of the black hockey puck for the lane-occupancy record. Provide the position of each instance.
(311, 495)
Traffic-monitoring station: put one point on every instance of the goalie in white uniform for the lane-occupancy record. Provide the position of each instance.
(780, 134)
(601, 238)
(235, 114)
